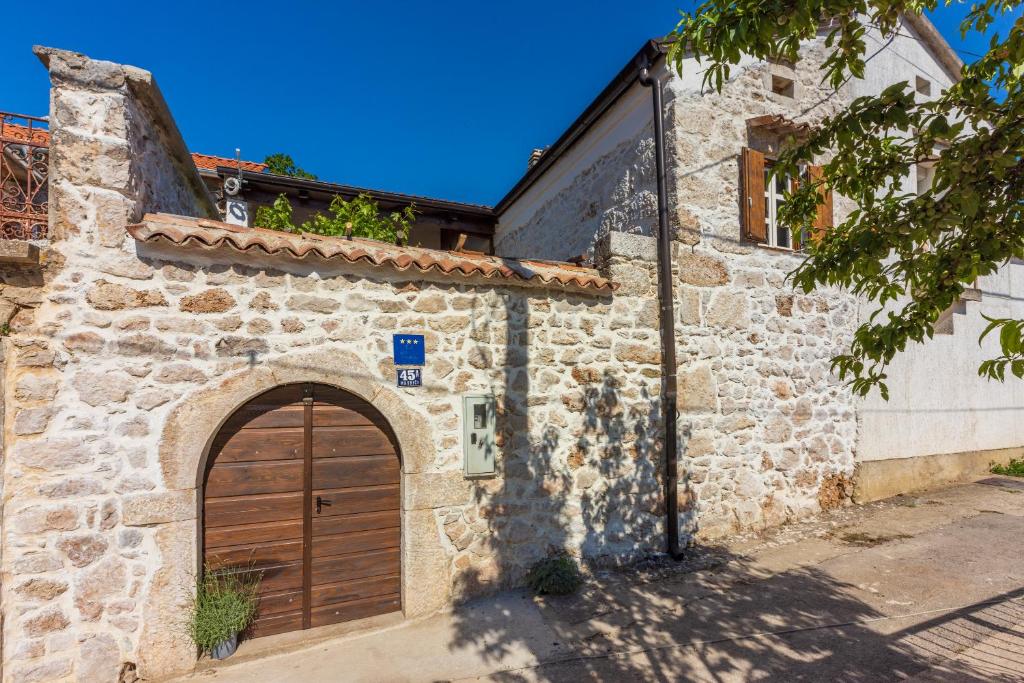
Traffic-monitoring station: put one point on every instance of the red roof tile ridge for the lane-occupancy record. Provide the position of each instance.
(183, 230)
(212, 161)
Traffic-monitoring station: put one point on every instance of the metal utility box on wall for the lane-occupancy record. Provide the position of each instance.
(478, 446)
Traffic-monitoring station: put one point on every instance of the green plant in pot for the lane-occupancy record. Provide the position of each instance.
(224, 605)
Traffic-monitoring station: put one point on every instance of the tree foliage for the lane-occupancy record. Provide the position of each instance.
(277, 216)
(358, 217)
(283, 164)
(911, 254)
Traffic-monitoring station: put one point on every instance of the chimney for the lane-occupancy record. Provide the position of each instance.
(535, 156)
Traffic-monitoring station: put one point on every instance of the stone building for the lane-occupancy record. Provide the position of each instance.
(763, 413)
(178, 390)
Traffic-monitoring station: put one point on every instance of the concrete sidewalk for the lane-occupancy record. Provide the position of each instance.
(929, 588)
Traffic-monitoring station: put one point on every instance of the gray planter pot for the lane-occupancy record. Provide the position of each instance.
(225, 648)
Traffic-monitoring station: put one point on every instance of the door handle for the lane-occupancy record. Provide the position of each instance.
(320, 502)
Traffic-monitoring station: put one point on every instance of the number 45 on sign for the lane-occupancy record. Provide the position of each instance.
(410, 377)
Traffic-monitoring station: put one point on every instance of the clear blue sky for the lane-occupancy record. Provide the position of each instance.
(444, 99)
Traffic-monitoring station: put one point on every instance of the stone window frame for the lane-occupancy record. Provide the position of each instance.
(781, 81)
(925, 177)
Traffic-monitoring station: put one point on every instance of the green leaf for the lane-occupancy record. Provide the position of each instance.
(908, 255)
(358, 217)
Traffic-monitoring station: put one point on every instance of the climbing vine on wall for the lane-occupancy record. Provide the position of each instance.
(358, 217)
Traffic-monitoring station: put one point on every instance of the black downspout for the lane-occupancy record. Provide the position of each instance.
(667, 323)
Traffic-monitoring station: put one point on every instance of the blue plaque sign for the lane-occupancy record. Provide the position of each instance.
(409, 349)
(410, 377)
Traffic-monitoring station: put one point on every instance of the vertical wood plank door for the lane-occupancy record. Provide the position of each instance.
(302, 484)
(355, 528)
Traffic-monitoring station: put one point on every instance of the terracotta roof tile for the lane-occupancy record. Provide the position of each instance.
(40, 136)
(207, 234)
(211, 162)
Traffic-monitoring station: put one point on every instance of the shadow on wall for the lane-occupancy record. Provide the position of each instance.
(716, 617)
(580, 469)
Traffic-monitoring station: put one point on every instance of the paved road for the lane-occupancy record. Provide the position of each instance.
(929, 588)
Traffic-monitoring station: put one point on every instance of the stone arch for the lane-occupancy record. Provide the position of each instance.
(191, 427)
(184, 447)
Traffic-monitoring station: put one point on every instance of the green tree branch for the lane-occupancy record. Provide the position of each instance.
(283, 164)
(911, 254)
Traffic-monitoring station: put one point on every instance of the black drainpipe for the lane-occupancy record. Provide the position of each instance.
(667, 321)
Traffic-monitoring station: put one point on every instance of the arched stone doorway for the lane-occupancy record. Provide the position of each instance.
(184, 450)
(303, 483)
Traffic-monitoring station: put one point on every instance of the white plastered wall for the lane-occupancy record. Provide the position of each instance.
(938, 404)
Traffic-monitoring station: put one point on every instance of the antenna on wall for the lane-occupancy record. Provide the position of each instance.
(233, 186)
(237, 208)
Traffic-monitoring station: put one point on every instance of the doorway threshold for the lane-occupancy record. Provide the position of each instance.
(280, 643)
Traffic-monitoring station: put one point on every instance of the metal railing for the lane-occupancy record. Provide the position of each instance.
(24, 168)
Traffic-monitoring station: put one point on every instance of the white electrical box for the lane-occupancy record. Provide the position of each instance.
(478, 446)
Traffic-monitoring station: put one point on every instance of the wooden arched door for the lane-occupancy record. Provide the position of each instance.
(302, 483)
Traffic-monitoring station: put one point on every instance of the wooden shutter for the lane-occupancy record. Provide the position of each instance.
(823, 221)
(752, 171)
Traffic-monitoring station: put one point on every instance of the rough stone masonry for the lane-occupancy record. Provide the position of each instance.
(766, 425)
(124, 357)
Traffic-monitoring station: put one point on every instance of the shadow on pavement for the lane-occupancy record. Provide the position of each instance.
(596, 490)
(714, 618)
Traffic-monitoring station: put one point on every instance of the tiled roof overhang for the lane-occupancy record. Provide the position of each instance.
(206, 234)
(778, 124)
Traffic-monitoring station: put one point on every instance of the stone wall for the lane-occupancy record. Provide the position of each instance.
(769, 434)
(136, 353)
(116, 152)
(99, 493)
(69, 589)
(604, 183)
(617, 194)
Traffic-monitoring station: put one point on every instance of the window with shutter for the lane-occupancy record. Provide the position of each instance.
(755, 227)
(823, 221)
(764, 195)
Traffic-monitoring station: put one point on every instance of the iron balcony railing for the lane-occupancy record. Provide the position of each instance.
(24, 167)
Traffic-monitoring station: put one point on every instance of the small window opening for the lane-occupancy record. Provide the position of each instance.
(783, 86)
(923, 86)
